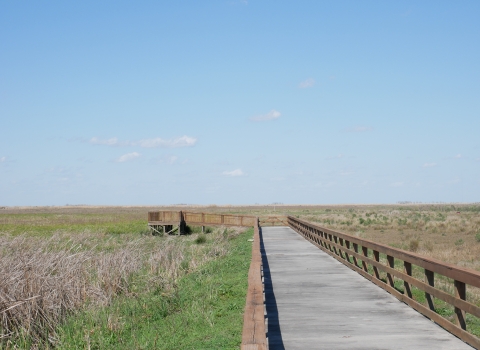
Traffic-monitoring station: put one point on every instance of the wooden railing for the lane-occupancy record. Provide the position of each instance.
(164, 217)
(363, 256)
(200, 219)
(254, 335)
(273, 220)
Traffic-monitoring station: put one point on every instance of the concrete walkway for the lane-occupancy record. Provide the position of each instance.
(315, 302)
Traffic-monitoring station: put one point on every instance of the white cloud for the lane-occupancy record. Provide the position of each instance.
(272, 115)
(172, 159)
(2, 159)
(325, 185)
(429, 165)
(308, 83)
(397, 184)
(168, 159)
(359, 129)
(236, 172)
(183, 141)
(338, 156)
(128, 157)
(108, 142)
(458, 156)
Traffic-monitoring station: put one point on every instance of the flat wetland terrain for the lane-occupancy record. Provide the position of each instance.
(95, 277)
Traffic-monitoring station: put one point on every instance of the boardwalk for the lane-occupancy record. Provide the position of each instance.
(315, 302)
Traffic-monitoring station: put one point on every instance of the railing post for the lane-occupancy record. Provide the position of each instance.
(408, 270)
(364, 263)
(376, 256)
(347, 245)
(430, 279)
(323, 239)
(335, 239)
(340, 240)
(461, 293)
(355, 249)
(391, 264)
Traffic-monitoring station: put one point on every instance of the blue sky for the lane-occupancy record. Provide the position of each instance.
(238, 102)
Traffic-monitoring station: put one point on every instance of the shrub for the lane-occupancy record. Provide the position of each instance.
(201, 239)
(413, 246)
(428, 246)
(459, 242)
(477, 237)
(401, 221)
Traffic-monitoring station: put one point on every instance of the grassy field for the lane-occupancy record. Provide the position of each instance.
(66, 270)
(92, 276)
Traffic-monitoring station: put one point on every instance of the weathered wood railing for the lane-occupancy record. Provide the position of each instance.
(200, 219)
(253, 335)
(164, 217)
(273, 220)
(350, 250)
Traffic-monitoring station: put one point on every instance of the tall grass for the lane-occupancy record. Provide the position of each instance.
(44, 279)
(203, 311)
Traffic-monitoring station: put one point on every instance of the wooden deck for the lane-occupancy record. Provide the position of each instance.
(315, 302)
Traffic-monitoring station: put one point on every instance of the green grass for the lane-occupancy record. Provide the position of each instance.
(45, 224)
(204, 311)
(49, 228)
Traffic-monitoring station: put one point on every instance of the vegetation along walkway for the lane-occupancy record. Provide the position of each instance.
(315, 302)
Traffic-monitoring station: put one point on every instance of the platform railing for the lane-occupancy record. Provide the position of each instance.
(363, 256)
(200, 219)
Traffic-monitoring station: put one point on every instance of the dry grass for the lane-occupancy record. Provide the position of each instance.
(444, 232)
(46, 276)
(54, 261)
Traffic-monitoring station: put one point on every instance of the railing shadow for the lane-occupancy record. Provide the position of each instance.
(274, 333)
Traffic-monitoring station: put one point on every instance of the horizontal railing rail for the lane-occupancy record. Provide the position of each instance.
(273, 220)
(164, 216)
(201, 219)
(363, 256)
